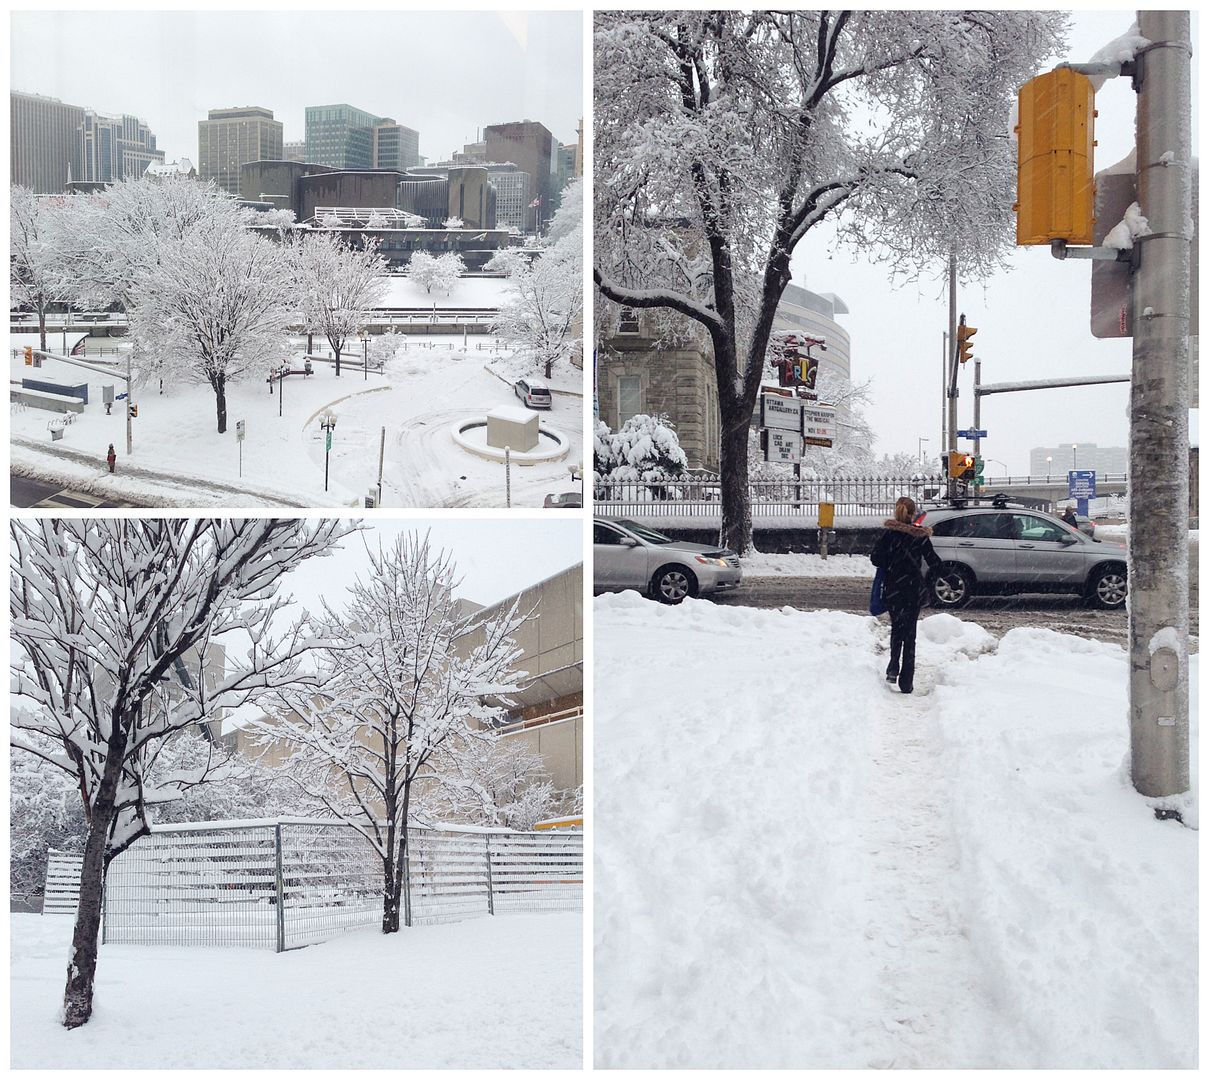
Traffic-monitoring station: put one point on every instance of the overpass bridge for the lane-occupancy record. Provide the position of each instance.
(1048, 489)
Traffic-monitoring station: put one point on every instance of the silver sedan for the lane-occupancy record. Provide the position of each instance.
(626, 555)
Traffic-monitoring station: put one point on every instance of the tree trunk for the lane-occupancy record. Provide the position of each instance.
(310, 344)
(42, 326)
(336, 350)
(390, 882)
(549, 365)
(81, 969)
(219, 382)
(736, 491)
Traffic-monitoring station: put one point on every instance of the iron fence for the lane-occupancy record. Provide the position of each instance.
(287, 884)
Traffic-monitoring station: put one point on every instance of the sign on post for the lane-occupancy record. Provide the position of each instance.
(783, 446)
(818, 424)
(971, 433)
(239, 430)
(780, 412)
(1081, 484)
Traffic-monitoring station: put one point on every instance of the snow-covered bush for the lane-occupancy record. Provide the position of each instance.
(645, 449)
(440, 272)
(454, 223)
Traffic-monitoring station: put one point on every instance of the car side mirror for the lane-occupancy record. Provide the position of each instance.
(1068, 539)
(628, 541)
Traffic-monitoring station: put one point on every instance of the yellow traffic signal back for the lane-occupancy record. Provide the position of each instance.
(1055, 185)
(29, 356)
(961, 466)
(965, 348)
(133, 410)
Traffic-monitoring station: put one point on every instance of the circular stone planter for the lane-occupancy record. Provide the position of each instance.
(471, 436)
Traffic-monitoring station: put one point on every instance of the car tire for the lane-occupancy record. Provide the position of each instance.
(671, 584)
(950, 587)
(1108, 588)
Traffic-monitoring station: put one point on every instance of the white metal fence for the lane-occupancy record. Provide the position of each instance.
(282, 885)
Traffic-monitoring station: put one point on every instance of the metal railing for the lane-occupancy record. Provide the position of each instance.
(286, 884)
(700, 494)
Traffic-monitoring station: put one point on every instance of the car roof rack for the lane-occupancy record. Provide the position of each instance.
(1000, 501)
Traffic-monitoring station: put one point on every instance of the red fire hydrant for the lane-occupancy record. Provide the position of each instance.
(111, 457)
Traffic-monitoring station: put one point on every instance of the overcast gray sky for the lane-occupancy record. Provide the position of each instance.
(1033, 322)
(444, 73)
(494, 557)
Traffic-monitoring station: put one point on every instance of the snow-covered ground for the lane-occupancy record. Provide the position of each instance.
(502, 992)
(797, 866)
(758, 564)
(431, 383)
(469, 292)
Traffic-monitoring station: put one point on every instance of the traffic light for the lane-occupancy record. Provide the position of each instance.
(29, 356)
(965, 348)
(961, 466)
(1055, 186)
(132, 411)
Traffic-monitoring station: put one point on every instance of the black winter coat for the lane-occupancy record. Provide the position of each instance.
(900, 551)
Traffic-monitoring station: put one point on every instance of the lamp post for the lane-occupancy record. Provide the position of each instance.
(365, 355)
(993, 461)
(328, 425)
(285, 369)
(919, 452)
(1074, 457)
(1049, 458)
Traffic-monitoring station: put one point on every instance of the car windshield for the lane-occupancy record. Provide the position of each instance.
(643, 533)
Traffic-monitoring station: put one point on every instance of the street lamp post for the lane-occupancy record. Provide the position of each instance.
(919, 452)
(365, 356)
(328, 425)
(285, 368)
(1049, 458)
(1074, 457)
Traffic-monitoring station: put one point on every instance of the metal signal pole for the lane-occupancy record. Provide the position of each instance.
(1158, 412)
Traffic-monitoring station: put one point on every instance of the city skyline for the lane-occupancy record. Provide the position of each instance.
(506, 66)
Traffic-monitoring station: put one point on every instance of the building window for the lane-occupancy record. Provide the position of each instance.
(629, 397)
(627, 321)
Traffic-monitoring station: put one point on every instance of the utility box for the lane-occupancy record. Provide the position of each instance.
(826, 515)
(1055, 185)
(515, 428)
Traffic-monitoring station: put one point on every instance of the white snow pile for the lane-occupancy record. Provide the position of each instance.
(797, 866)
(490, 993)
(758, 564)
(1120, 50)
(1133, 224)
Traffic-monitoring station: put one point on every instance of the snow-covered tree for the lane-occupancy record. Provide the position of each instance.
(338, 285)
(45, 813)
(376, 220)
(35, 236)
(440, 272)
(644, 449)
(213, 309)
(400, 682)
(454, 223)
(103, 610)
(115, 236)
(723, 137)
(542, 315)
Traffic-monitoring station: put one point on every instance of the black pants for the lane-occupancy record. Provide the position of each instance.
(903, 623)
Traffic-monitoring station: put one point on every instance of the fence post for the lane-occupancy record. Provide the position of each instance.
(407, 880)
(490, 887)
(280, 891)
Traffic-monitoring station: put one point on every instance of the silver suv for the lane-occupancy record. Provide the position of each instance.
(1000, 548)
(626, 555)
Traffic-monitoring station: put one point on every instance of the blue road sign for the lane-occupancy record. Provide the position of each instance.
(1081, 483)
(971, 433)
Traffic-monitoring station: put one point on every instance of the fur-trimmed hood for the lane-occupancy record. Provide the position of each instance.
(909, 530)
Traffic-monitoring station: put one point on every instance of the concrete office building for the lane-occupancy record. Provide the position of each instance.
(277, 182)
(340, 136)
(531, 147)
(230, 138)
(294, 151)
(395, 146)
(115, 148)
(676, 378)
(439, 192)
(44, 142)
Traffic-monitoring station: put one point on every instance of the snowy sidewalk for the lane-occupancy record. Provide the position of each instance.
(487, 993)
(796, 867)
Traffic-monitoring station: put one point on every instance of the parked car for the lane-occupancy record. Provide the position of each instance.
(627, 555)
(1085, 524)
(561, 499)
(534, 394)
(1000, 548)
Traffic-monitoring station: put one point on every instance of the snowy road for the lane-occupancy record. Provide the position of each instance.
(798, 867)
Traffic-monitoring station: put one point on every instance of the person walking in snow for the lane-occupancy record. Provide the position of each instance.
(899, 552)
(111, 457)
(1070, 519)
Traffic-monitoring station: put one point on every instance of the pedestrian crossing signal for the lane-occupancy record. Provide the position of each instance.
(961, 466)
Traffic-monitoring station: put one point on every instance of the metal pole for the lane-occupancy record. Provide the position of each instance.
(490, 884)
(280, 393)
(977, 406)
(406, 879)
(327, 457)
(951, 357)
(381, 459)
(1158, 413)
(129, 396)
(365, 359)
(507, 475)
(944, 392)
(280, 890)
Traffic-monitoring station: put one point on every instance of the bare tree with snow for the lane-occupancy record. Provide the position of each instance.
(213, 309)
(542, 315)
(440, 272)
(722, 138)
(35, 234)
(338, 285)
(400, 683)
(102, 613)
(454, 223)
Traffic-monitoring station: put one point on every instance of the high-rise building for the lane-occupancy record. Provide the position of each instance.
(531, 147)
(230, 138)
(115, 148)
(395, 146)
(294, 151)
(513, 194)
(340, 136)
(44, 142)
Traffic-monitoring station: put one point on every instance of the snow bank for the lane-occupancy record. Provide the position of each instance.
(502, 992)
(760, 565)
(796, 867)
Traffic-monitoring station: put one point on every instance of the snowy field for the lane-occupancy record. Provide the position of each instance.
(469, 292)
(501, 992)
(430, 384)
(797, 867)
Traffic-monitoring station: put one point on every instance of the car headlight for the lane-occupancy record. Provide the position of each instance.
(706, 561)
